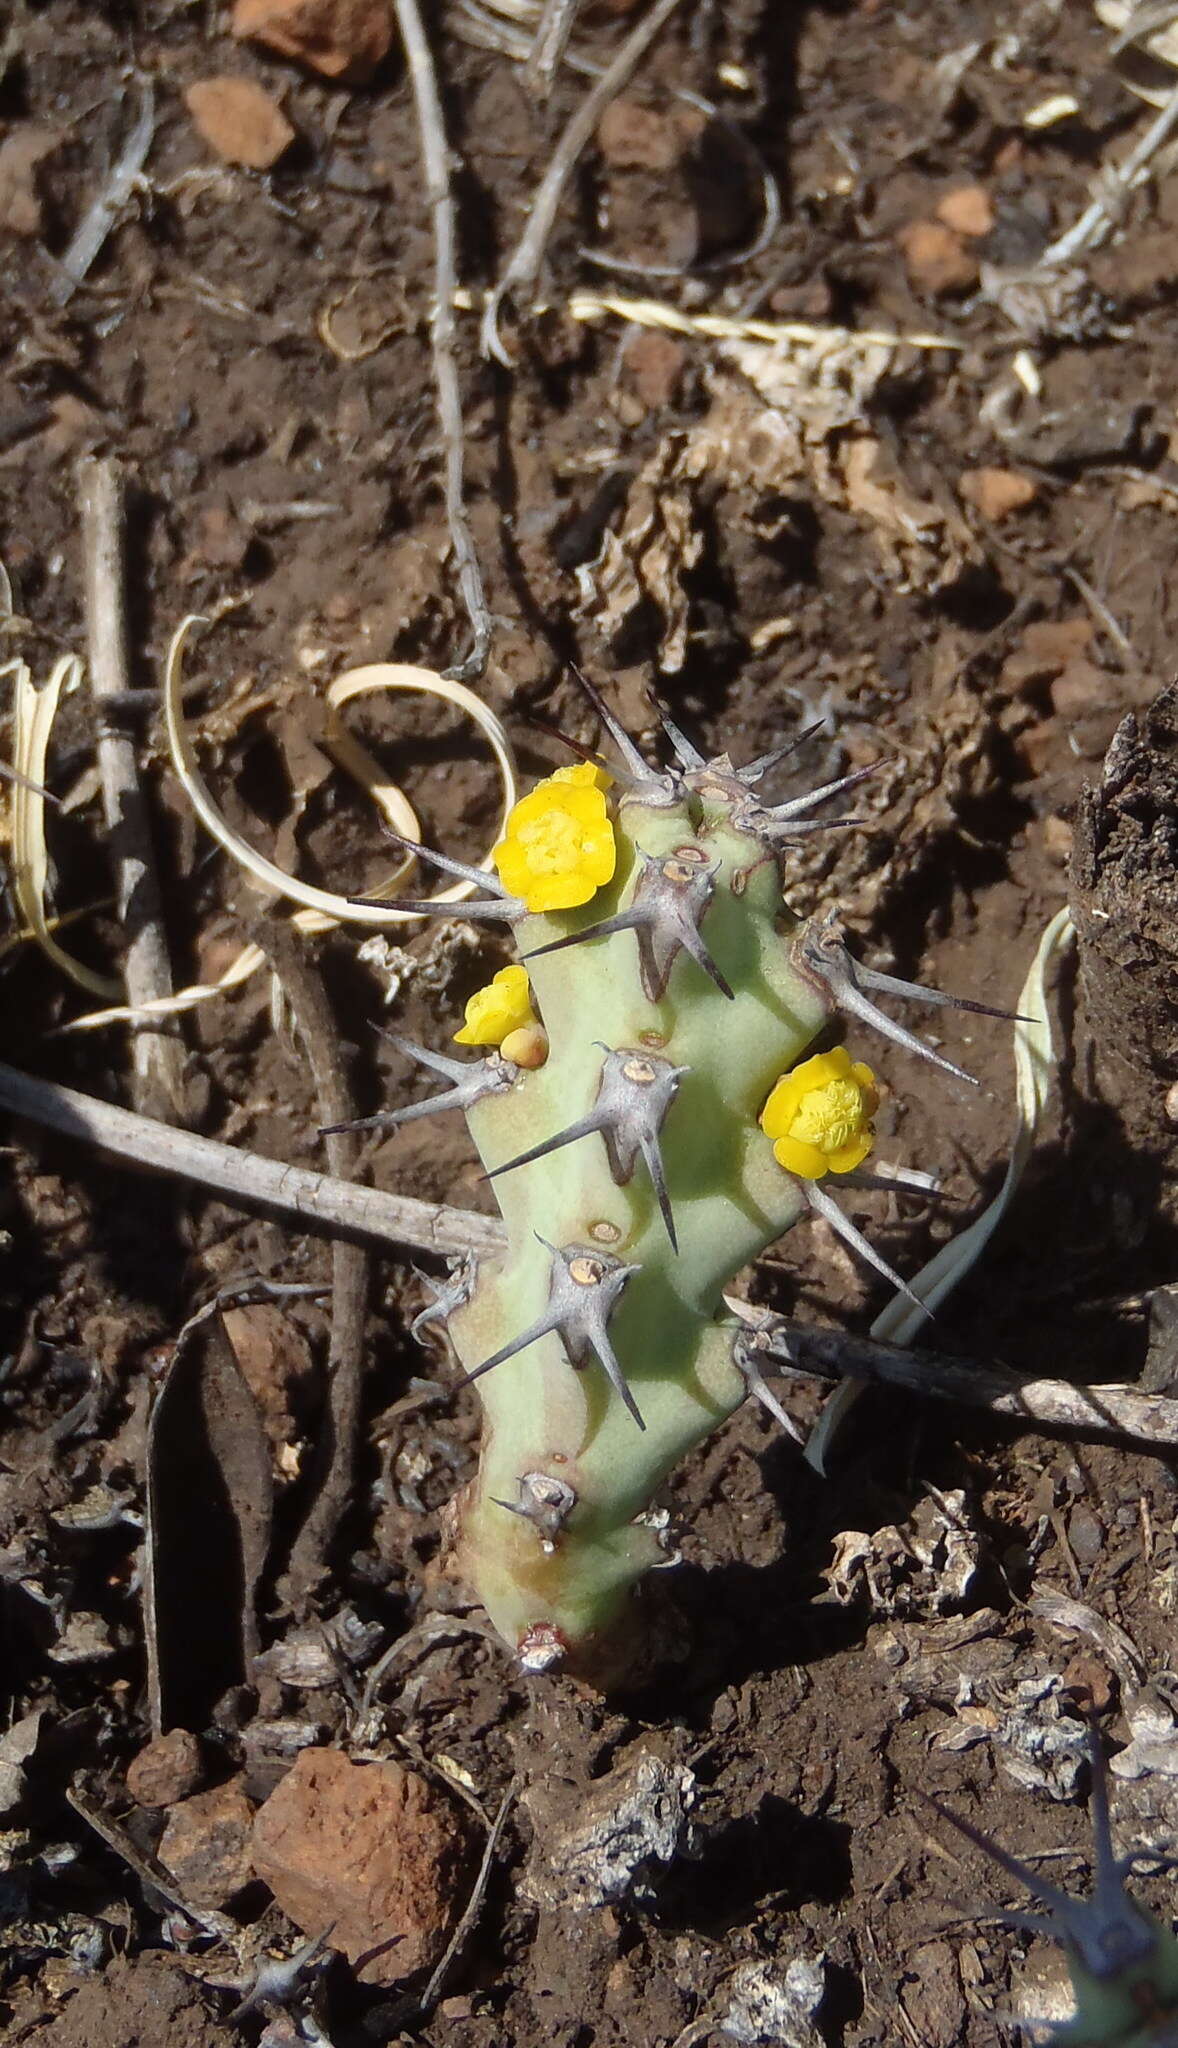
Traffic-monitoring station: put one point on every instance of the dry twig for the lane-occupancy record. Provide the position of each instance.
(315, 1199)
(1054, 1404)
(157, 1056)
(523, 265)
(336, 1450)
(549, 43)
(435, 161)
(109, 201)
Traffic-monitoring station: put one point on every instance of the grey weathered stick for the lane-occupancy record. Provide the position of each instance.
(314, 1199)
(1092, 1411)
(435, 160)
(398, 1221)
(549, 43)
(523, 265)
(336, 1447)
(105, 208)
(157, 1055)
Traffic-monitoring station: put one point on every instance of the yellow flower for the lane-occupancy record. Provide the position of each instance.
(559, 847)
(586, 775)
(494, 1012)
(819, 1115)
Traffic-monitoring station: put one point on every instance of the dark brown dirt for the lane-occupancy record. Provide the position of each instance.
(812, 1699)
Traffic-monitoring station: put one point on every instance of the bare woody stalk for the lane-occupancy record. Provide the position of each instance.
(435, 159)
(157, 1054)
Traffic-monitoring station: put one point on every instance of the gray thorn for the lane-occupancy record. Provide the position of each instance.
(825, 953)
(668, 906)
(635, 1092)
(797, 806)
(646, 777)
(471, 1081)
(546, 1502)
(453, 1292)
(583, 1288)
(750, 1372)
(686, 753)
(499, 902)
(754, 770)
(828, 1208)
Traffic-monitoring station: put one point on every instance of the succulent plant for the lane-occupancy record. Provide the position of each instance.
(1122, 1960)
(652, 1114)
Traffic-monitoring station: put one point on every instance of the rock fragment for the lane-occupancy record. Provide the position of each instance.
(239, 121)
(967, 210)
(21, 154)
(343, 39)
(168, 1768)
(996, 493)
(936, 259)
(206, 1844)
(372, 1851)
(607, 1841)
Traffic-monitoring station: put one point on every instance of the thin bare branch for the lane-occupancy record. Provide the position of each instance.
(549, 43)
(317, 1200)
(157, 1054)
(1056, 1404)
(350, 1269)
(523, 265)
(435, 159)
(104, 209)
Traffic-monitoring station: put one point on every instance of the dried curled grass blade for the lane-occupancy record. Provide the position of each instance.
(323, 909)
(378, 676)
(592, 307)
(34, 711)
(1034, 1064)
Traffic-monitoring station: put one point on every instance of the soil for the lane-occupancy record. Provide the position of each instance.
(893, 588)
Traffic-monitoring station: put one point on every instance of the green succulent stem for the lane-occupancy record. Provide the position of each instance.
(567, 1585)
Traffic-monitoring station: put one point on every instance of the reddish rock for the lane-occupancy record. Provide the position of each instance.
(655, 363)
(1046, 646)
(967, 210)
(996, 493)
(370, 1848)
(21, 154)
(239, 121)
(339, 38)
(206, 1844)
(171, 1767)
(937, 260)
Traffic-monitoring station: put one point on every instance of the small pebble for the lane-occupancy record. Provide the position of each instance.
(169, 1768)
(344, 39)
(239, 121)
(997, 493)
(936, 259)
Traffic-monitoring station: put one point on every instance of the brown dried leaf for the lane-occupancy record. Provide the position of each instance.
(209, 1507)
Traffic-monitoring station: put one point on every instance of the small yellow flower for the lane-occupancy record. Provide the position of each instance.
(559, 847)
(819, 1115)
(494, 1012)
